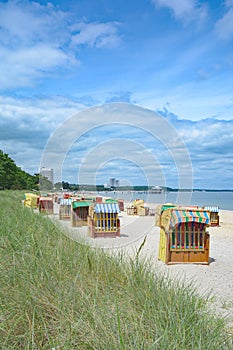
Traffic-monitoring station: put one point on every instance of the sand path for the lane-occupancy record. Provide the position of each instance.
(215, 279)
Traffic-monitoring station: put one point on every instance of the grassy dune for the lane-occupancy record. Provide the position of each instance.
(58, 294)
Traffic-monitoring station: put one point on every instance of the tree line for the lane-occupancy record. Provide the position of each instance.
(13, 177)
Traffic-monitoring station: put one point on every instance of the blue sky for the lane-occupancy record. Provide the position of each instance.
(175, 58)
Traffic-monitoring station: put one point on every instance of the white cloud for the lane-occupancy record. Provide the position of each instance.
(26, 126)
(23, 22)
(184, 10)
(205, 138)
(37, 40)
(224, 26)
(96, 34)
(209, 142)
(23, 66)
(23, 118)
(31, 37)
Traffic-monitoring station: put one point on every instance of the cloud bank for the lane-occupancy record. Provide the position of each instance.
(122, 147)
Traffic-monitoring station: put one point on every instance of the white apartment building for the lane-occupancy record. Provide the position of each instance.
(48, 173)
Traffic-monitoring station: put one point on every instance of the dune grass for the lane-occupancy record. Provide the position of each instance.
(59, 294)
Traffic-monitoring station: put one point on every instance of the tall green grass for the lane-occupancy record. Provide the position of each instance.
(59, 294)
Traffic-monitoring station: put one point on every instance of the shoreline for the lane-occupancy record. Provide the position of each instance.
(224, 200)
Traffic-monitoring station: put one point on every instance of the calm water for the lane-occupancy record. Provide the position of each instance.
(222, 199)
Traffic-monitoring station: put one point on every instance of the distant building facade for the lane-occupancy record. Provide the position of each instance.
(114, 182)
(111, 182)
(156, 189)
(48, 173)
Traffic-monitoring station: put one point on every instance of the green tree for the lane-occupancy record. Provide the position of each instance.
(13, 177)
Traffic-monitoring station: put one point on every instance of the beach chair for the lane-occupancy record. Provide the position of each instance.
(103, 220)
(183, 236)
(214, 214)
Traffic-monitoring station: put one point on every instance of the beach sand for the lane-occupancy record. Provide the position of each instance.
(214, 280)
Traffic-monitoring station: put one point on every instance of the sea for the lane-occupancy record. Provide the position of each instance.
(223, 200)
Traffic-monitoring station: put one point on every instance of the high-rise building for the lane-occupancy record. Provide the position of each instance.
(48, 173)
(113, 182)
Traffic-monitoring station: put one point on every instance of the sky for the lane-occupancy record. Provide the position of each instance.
(140, 90)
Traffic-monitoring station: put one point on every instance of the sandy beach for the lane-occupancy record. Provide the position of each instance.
(215, 279)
